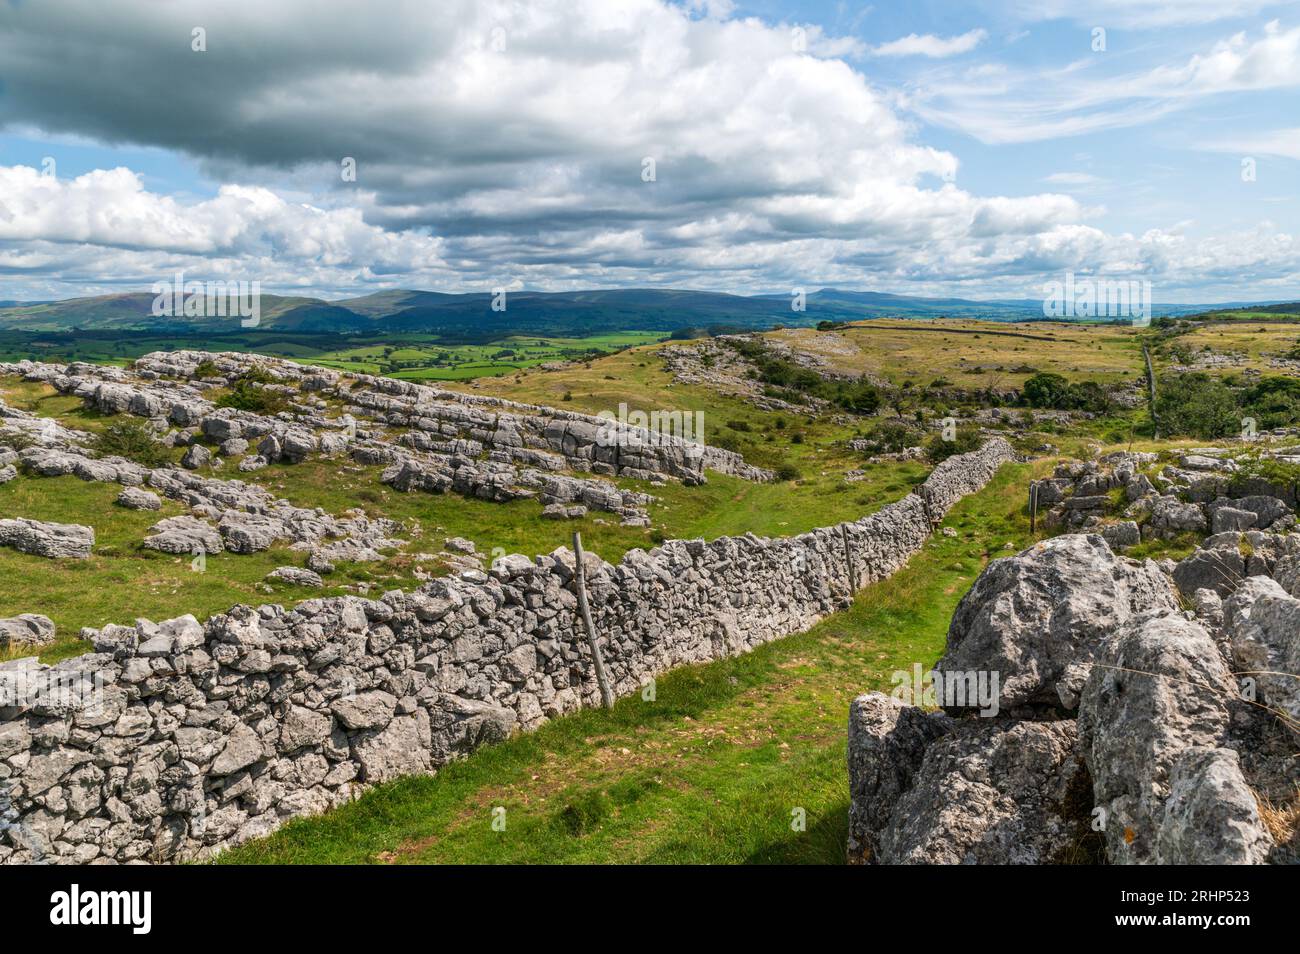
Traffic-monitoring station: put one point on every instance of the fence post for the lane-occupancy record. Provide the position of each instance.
(1033, 506)
(580, 576)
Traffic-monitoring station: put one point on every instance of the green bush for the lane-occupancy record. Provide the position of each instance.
(937, 449)
(1046, 390)
(787, 472)
(1196, 404)
(134, 440)
(245, 395)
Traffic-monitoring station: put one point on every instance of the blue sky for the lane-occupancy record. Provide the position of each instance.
(975, 149)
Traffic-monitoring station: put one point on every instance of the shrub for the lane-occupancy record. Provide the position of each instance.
(937, 449)
(1046, 390)
(133, 440)
(245, 395)
(1196, 404)
(787, 472)
(207, 368)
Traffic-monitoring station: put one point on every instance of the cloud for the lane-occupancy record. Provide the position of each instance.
(1072, 178)
(1080, 98)
(1278, 142)
(1140, 14)
(548, 145)
(932, 46)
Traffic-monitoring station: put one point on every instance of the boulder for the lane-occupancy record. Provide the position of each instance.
(1159, 688)
(55, 541)
(1211, 816)
(1262, 621)
(1217, 568)
(135, 498)
(195, 457)
(297, 576)
(1039, 617)
(184, 535)
(995, 792)
(887, 741)
(26, 629)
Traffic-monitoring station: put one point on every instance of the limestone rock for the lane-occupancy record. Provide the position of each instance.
(1035, 617)
(136, 498)
(56, 541)
(26, 629)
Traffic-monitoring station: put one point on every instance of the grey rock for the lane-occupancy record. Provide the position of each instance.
(1034, 618)
(992, 792)
(368, 710)
(196, 457)
(135, 498)
(297, 576)
(1159, 688)
(1262, 621)
(1211, 816)
(56, 541)
(26, 629)
(887, 741)
(184, 535)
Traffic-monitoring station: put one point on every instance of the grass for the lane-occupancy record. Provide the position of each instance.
(974, 354)
(710, 771)
(122, 580)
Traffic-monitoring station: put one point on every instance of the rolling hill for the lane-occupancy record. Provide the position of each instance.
(471, 316)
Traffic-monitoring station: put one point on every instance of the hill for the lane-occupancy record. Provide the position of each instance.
(470, 317)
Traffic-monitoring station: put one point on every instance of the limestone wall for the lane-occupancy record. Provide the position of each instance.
(200, 736)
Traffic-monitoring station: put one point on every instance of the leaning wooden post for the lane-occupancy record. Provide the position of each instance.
(580, 575)
(848, 562)
(1033, 506)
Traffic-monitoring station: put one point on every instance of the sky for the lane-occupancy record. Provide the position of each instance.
(335, 148)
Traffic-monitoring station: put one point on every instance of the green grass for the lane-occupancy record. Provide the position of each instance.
(708, 772)
(121, 580)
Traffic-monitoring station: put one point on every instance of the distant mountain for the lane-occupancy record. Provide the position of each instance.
(472, 316)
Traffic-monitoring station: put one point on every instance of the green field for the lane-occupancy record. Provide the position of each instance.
(710, 771)
(411, 356)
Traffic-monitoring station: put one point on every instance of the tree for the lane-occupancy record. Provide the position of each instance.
(1046, 390)
(1197, 404)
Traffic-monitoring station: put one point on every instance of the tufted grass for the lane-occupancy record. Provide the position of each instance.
(710, 771)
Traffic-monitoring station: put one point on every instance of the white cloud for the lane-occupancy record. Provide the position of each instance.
(1278, 142)
(932, 46)
(1081, 98)
(1141, 14)
(774, 166)
(1072, 178)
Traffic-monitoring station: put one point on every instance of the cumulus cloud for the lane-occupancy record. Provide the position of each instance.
(932, 46)
(550, 144)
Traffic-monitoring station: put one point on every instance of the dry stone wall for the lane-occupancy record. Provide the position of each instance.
(200, 736)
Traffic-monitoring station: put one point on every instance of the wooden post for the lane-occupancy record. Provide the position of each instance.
(848, 562)
(580, 576)
(1033, 506)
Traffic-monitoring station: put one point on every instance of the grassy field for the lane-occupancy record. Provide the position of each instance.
(974, 354)
(1256, 344)
(710, 771)
(411, 356)
(123, 580)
